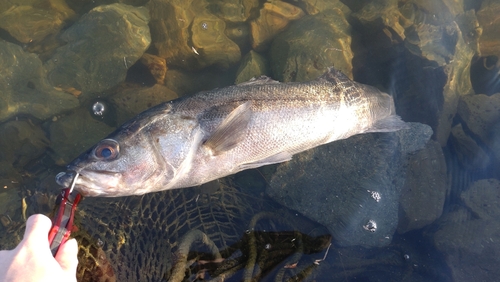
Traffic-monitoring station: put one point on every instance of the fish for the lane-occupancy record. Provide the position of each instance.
(212, 134)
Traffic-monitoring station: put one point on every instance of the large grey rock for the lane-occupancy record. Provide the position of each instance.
(481, 115)
(425, 189)
(347, 184)
(100, 48)
(24, 88)
(468, 237)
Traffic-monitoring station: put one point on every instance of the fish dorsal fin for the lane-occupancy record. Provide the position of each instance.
(259, 81)
(333, 75)
(231, 130)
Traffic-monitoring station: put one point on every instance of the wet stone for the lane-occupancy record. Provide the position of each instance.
(481, 115)
(33, 20)
(357, 183)
(488, 17)
(100, 48)
(73, 134)
(130, 101)
(211, 46)
(187, 83)
(313, 7)
(187, 35)
(468, 237)
(383, 13)
(469, 153)
(234, 11)
(310, 45)
(24, 88)
(274, 18)
(425, 189)
(252, 65)
(156, 65)
(21, 142)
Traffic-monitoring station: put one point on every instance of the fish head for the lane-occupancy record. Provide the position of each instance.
(149, 153)
(116, 166)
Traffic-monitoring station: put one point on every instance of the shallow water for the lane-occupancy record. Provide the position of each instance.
(396, 207)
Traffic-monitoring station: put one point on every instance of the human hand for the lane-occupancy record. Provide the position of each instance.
(32, 259)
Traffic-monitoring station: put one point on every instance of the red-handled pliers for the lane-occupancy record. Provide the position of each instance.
(62, 223)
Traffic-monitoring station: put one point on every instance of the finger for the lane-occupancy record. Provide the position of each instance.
(67, 256)
(37, 229)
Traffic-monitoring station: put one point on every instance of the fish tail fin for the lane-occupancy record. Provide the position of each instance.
(389, 124)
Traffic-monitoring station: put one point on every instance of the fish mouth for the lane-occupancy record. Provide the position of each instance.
(91, 183)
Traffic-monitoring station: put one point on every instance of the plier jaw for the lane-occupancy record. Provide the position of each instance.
(62, 223)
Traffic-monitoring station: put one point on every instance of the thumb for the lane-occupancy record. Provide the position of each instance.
(67, 257)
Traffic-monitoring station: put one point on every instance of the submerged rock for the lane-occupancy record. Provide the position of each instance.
(425, 189)
(274, 18)
(252, 65)
(351, 186)
(24, 89)
(130, 101)
(469, 153)
(234, 11)
(79, 127)
(156, 66)
(33, 20)
(310, 45)
(100, 48)
(428, 55)
(313, 7)
(468, 237)
(187, 35)
(489, 21)
(481, 115)
(21, 142)
(187, 83)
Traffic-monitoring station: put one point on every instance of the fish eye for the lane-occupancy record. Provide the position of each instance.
(107, 149)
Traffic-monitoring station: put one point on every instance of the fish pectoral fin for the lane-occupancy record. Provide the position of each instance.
(388, 124)
(231, 130)
(274, 159)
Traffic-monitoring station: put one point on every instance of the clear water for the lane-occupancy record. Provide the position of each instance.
(428, 55)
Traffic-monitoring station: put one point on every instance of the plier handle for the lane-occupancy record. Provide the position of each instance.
(62, 223)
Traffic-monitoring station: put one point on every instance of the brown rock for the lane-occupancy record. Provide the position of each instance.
(156, 65)
(33, 20)
(274, 18)
(234, 11)
(310, 45)
(211, 46)
(313, 7)
(188, 36)
(489, 21)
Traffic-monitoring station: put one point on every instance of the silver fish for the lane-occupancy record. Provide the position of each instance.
(193, 140)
